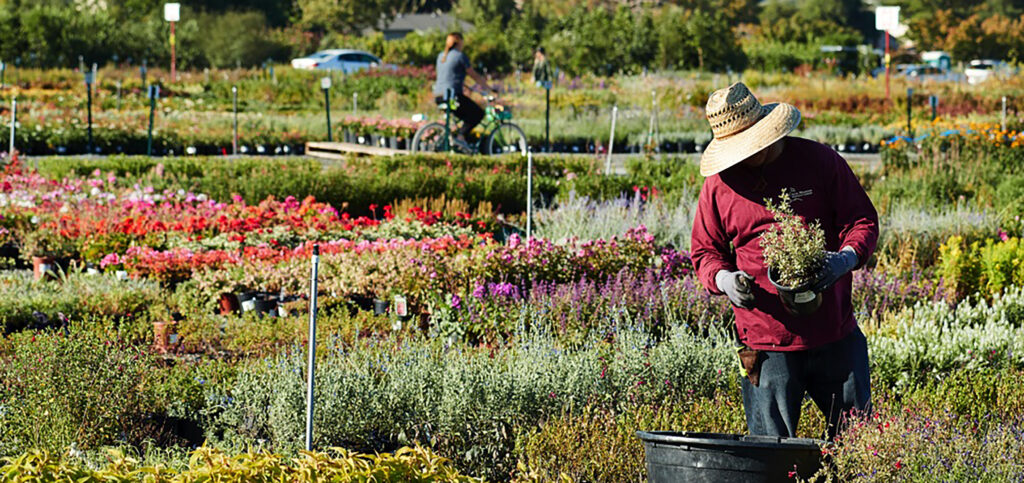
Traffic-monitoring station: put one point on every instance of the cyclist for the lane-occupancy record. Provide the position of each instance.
(452, 68)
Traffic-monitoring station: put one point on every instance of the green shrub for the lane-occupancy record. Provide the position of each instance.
(898, 443)
(70, 387)
(599, 445)
(464, 403)
(119, 305)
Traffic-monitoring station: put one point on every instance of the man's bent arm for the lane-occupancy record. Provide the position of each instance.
(709, 244)
(855, 215)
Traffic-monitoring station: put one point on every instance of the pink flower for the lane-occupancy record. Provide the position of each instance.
(110, 259)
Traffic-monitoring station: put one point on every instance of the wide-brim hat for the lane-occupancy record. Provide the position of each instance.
(742, 126)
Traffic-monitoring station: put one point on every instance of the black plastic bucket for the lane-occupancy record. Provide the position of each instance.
(715, 457)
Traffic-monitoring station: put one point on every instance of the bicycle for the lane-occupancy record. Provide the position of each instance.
(500, 135)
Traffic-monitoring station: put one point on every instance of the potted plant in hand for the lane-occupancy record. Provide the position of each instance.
(794, 253)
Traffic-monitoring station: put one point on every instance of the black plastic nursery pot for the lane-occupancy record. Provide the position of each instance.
(716, 457)
(797, 300)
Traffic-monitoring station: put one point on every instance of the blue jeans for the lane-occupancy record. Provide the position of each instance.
(834, 375)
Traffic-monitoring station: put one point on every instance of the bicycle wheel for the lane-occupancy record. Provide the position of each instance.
(431, 138)
(505, 139)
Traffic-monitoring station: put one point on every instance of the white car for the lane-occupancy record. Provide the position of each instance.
(345, 60)
(981, 70)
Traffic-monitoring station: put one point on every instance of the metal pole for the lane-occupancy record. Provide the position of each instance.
(152, 110)
(887, 64)
(88, 101)
(311, 369)
(174, 71)
(450, 95)
(327, 105)
(910, 107)
(1003, 123)
(118, 95)
(934, 101)
(355, 102)
(3, 71)
(547, 116)
(529, 194)
(650, 125)
(611, 142)
(142, 71)
(14, 122)
(234, 102)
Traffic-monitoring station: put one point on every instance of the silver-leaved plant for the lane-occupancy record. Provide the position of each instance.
(793, 249)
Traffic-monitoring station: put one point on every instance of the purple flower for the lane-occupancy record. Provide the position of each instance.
(480, 292)
(456, 302)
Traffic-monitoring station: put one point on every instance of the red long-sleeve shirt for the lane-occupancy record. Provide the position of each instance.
(731, 218)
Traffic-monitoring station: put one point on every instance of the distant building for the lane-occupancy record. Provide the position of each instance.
(406, 23)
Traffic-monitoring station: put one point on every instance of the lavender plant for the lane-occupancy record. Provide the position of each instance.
(585, 219)
(792, 249)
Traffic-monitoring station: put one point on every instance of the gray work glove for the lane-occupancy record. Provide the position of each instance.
(738, 286)
(836, 265)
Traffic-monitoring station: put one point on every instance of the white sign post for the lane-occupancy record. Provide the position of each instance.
(172, 14)
(886, 19)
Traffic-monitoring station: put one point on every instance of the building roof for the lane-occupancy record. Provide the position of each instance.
(421, 22)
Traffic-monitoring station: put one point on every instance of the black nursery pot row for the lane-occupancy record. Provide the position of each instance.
(673, 147)
(268, 304)
(196, 150)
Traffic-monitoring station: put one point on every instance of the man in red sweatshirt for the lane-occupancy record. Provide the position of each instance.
(823, 354)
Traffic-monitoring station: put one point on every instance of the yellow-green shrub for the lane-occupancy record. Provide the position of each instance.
(206, 464)
(988, 268)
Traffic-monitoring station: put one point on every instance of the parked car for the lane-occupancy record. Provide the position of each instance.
(981, 70)
(345, 60)
(927, 73)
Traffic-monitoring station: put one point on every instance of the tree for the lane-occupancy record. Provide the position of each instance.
(344, 16)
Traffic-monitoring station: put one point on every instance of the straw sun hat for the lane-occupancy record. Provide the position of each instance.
(742, 127)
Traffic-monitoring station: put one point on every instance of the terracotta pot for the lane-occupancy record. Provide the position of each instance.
(43, 266)
(164, 336)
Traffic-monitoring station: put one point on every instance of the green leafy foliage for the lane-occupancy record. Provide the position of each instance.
(59, 389)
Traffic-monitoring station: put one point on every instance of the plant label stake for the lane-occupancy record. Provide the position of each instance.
(529, 194)
(311, 369)
(1003, 123)
(118, 95)
(934, 102)
(325, 84)
(142, 72)
(547, 116)
(611, 142)
(154, 93)
(89, 77)
(355, 102)
(234, 103)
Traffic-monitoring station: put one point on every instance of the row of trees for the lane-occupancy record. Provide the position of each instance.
(599, 36)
